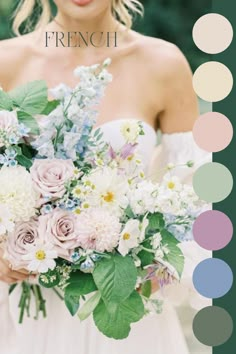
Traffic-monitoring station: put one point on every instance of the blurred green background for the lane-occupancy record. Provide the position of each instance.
(171, 20)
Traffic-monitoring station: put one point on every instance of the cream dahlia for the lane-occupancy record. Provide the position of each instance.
(17, 192)
(98, 230)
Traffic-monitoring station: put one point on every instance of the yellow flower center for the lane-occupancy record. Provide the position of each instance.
(171, 185)
(109, 197)
(77, 191)
(130, 158)
(126, 236)
(77, 211)
(86, 205)
(40, 255)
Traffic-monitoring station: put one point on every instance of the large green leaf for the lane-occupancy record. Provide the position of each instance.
(31, 97)
(156, 222)
(72, 303)
(29, 121)
(80, 284)
(115, 278)
(89, 306)
(116, 323)
(175, 256)
(5, 101)
(51, 105)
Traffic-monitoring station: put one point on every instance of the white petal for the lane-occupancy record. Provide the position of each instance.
(33, 265)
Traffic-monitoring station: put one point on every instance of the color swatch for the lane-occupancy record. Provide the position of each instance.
(212, 33)
(213, 326)
(213, 131)
(213, 278)
(213, 230)
(207, 182)
(213, 81)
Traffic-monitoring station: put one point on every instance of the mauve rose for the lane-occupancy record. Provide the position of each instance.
(50, 175)
(24, 234)
(7, 121)
(60, 229)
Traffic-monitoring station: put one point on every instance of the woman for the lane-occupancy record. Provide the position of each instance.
(151, 82)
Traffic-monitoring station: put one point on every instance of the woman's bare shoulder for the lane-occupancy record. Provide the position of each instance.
(13, 53)
(161, 57)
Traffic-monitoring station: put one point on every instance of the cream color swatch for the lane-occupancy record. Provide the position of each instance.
(212, 33)
(212, 81)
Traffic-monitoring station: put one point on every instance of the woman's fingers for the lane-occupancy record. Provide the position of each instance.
(18, 275)
(8, 280)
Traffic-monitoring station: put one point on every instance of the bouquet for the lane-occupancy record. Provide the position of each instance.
(82, 216)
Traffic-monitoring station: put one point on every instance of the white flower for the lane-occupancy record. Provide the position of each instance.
(156, 240)
(6, 223)
(109, 189)
(172, 182)
(60, 91)
(17, 192)
(98, 230)
(130, 130)
(130, 236)
(143, 197)
(41, 257)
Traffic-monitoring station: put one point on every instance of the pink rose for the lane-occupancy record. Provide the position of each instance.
(60, 229)
(24, 234)
(49, 176)
(8, 120)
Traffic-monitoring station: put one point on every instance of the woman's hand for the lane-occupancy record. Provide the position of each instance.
(8, 275)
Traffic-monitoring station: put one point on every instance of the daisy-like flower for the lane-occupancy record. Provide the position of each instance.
(172, 182)
(109, 189)
(6, 223)
(129, 237)
(130, 130)
(41, 257)
(98, 230)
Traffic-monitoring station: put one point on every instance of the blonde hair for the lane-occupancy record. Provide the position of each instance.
(122, 10)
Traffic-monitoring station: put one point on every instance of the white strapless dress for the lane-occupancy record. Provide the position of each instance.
(60, 333)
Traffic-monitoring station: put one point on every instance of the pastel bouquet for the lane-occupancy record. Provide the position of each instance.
(82, 216)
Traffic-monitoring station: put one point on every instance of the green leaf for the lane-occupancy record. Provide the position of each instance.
(49, 279)
(147, 288)
(72, 303)
(5, 101)
(175, 256)
(116, 324)
(51, 105)
(89, 306)
(156, 222)
(129, 212)
(24, 161)
(115, 278)
(29, 121)
(80, 284)
(146, 258)
(31, 98)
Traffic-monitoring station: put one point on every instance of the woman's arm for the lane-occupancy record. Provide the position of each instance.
(180, 101)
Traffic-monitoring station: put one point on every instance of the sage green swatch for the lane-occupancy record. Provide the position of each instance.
(212, 182)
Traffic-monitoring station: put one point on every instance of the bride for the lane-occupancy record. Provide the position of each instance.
(152, 82)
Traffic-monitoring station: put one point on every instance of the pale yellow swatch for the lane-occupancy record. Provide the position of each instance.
(212, 81)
